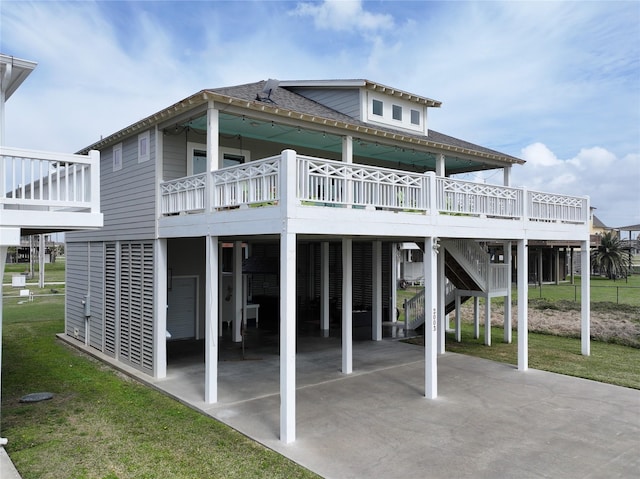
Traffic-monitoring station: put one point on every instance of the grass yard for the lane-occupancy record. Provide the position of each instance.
(53, 272)
(101, 424)
(608, 363)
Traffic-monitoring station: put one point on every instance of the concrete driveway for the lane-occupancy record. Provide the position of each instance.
(489, 421)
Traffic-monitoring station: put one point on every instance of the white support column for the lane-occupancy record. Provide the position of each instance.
(441, 304)
(161, 303)
(487, 321)
(213, 137)
(211, 320)
(3, 256)
(523, 306)
(347, 157)
(287, 337)
(458, 321)
(237, 292)
(394, 283)
(507, 300)
(376, 310)
(476, 317)
(507, 176)
(585, 299)
(41, 270)
(431, 318)
(347, 307)
(440, 165)
(324, 288)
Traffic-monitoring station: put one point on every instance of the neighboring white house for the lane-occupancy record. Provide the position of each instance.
(41, 192)
(297, 193)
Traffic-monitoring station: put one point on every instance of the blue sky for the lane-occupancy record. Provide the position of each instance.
(554, 83)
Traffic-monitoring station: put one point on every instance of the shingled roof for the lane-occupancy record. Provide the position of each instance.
(285, 99)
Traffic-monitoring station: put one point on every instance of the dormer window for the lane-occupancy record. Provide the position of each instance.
(415, 117)
(397, 112)
(377, 108)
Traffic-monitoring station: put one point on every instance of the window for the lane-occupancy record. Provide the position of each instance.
(143, 147)
(197, 157)
(377, 107)
(397, 112)
(117, 157)
(415, 117)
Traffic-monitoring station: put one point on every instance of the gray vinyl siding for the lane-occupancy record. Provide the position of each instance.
(174, 160)
(128, 196)
(77, 284)
(345, 101)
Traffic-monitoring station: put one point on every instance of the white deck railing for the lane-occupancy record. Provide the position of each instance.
(468, 198)
(338, 183)
(49, 181)
(322, 182)
(184, 195)
(253, 183)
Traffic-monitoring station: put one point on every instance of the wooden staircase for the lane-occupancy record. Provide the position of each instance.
(467, 269)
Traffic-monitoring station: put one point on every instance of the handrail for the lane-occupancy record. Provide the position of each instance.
(31, 179)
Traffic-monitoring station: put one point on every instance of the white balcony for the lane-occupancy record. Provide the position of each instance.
(48, 192)
(365, 190)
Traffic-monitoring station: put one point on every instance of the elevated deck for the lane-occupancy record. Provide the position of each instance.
(320, 196)
(46, 192)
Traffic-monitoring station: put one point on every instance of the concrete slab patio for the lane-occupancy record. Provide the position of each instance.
(489, 421)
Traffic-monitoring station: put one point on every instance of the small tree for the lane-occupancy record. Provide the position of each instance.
(610, 257)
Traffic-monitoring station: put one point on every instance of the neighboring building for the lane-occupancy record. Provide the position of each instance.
(41, 192)
(286, 200)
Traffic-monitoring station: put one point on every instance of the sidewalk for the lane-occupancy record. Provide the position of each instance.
(7, 469)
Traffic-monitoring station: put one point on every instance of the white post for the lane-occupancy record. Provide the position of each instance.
(585, 299)
(394, 283)
(347, 157)
(161, 303)
(376, 310)
(476, 317)
(324, 288)
(487, 320)
(237, 292)
(347, 307)
(211, 321)
(523, 306)
(288, 256)
(441, 303)
(507, 176)
(287, 337)
(41, 261)
(430, 318)
(213, 145)
(507, 299)
(440, 165)
(3, 257)
(458, 322)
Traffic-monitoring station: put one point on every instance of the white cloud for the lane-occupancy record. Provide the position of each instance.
(552, 82)
(343, 15)
(611, 183)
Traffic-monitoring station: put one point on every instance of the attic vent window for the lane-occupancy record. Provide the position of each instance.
(377, 107)
(397, 112)
(268, 88)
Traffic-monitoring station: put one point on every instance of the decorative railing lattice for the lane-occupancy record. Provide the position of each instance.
(256, 182)
(553, 207)
(468, 198)
(184, 195)
(335, 182)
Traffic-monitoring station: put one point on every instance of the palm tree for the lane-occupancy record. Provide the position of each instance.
(609, 256)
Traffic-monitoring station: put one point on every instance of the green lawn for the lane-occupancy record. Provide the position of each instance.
(608, 363)
(53, 272)
(101, 424)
